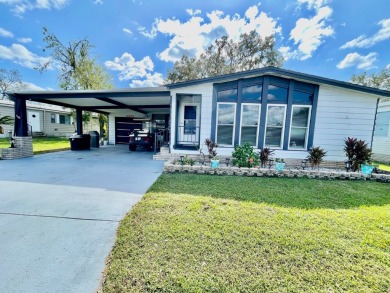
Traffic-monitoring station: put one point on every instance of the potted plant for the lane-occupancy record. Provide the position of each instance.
(279, 164)
(265, 156)
(211, 148)
(357, 152)
(367, 168)
(315, 157)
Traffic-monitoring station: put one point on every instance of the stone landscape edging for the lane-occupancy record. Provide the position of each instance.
(170, 167)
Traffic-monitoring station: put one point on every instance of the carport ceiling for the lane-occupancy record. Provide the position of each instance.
(141, 100)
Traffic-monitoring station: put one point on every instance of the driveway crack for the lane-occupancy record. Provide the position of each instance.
(59, 217)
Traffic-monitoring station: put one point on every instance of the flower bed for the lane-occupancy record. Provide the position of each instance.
(171, 167)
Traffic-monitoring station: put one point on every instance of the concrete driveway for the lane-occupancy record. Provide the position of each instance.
(59, 213)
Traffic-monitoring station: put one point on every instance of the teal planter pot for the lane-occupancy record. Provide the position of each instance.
(367, 169)
(279, 166)
(214, 163)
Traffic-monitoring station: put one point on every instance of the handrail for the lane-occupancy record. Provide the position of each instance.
(160, 137)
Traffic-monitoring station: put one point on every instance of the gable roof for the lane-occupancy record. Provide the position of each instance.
(275, 71)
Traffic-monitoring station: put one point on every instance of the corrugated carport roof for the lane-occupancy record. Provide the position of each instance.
(142, 100)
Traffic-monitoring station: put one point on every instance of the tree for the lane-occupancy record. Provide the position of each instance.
(9, 79)
(380, 80)
(78, 69)
(226, 56)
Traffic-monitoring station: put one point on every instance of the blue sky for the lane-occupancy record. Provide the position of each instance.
(137, 41)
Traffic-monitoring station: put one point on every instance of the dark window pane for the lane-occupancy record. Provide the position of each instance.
(62, 119)
(301, 97)
(53, 118)
(227, 95)
(249, 135)
(225, 135)
(298, 138)
(226, 113)
(273, 137)
(277, 94)
(189, 112)
(252, 93)
(67, 119)
(300, 116)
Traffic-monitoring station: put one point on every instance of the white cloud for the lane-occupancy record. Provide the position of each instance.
(149, 80)
(21, 6)
(28, 86)
(6, 34)
(192, 12)
(22, 56)
(25, 40)
(98, 2)
(140, 73)
(193, 36)
(359, 61)
(126, 30)
(365, 42)
(309, 34)
(313, 4)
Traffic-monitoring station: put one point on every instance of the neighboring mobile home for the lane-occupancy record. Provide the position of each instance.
(45, 119)
(271, 107)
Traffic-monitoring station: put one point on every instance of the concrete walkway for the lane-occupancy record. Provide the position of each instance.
(59, 213)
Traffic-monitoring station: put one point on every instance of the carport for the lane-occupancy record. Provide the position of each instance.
(123, 107)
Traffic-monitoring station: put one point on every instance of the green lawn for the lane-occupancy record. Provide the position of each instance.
(199, 233)
(43, 144)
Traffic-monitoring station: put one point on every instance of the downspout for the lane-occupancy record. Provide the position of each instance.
(374, 126)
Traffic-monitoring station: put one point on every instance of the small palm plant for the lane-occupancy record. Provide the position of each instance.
(265, 156)
(315, 157)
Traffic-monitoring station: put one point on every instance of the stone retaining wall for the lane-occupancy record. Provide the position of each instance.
(23, 149)
(169, 167)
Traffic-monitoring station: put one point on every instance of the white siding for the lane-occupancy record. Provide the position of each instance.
(206, 92)
(341, 114)
(381, 143)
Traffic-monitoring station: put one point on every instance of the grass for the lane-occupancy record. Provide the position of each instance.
(194, 233)
(43, 144)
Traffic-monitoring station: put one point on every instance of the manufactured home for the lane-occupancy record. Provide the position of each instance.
(284, 110)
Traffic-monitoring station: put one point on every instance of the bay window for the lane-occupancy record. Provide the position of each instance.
(226, 113)
(275, 126)
(299, 130)
(250, 114)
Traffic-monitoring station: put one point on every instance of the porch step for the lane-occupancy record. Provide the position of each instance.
(163, 155)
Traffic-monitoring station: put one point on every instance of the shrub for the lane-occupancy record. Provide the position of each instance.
(265, 155)
(211, 148)
(245, 156)
(315, 157)
(357, 151)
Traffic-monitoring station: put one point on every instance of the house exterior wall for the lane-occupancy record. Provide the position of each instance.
(206, 93)
(341, 114)
(45, 112)
(381, 142)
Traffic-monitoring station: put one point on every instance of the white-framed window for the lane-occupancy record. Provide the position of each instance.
(274, 129)
(299, 127)
(226, 118)
(250, 117)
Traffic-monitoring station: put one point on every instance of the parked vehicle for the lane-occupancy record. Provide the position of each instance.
(144, 137)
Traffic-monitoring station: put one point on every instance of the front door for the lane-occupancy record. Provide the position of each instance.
(33, 119)
(188, 132)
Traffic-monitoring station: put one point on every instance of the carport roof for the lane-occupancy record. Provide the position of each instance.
(142, 100)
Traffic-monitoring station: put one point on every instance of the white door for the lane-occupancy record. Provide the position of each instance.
(33, 119)
(189, 123)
